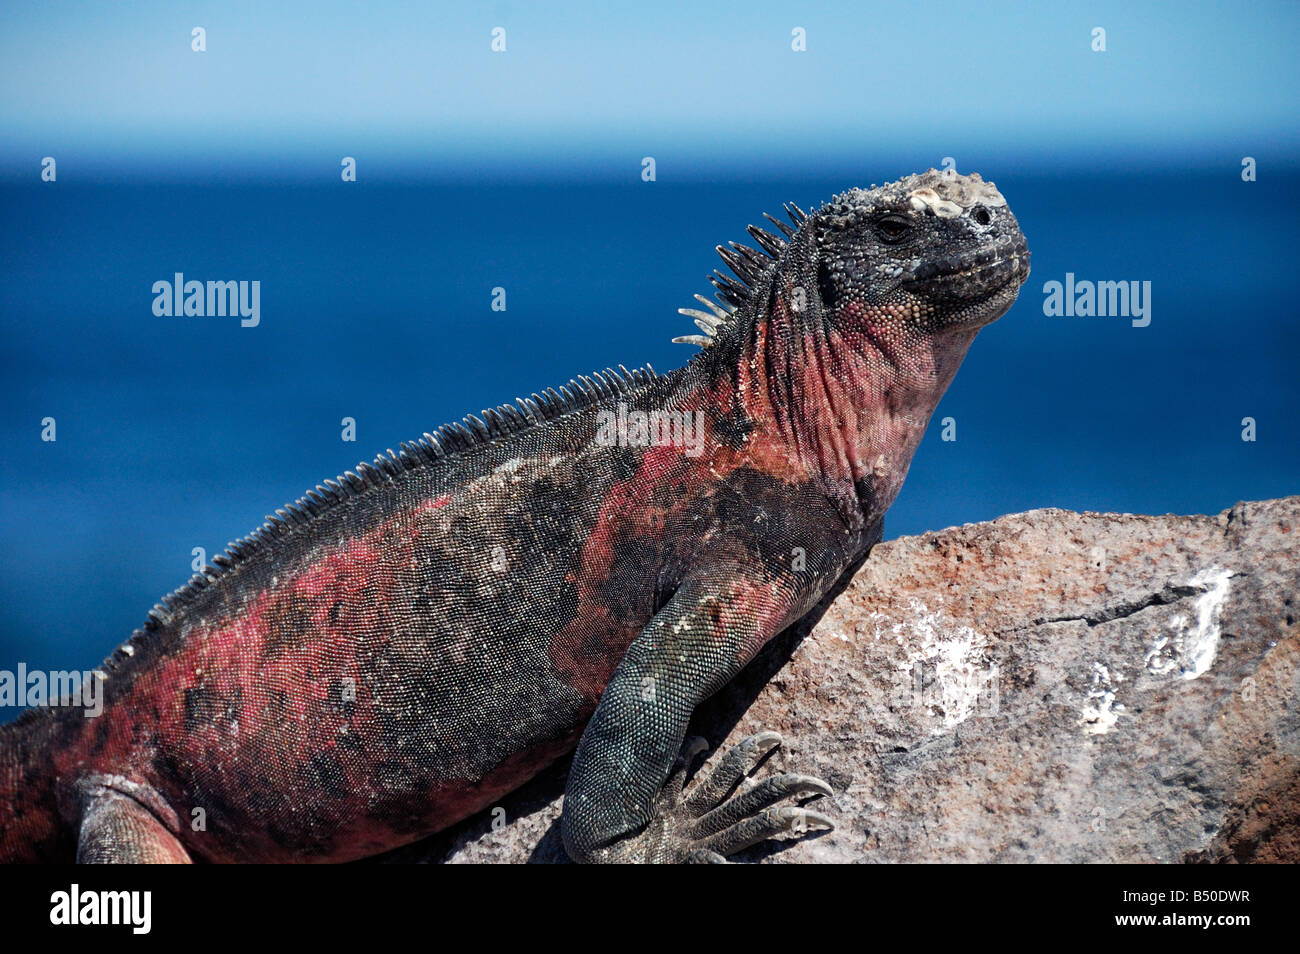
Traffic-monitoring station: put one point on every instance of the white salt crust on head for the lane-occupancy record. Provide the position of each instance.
(952, 195)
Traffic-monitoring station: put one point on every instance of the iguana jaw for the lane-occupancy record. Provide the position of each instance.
(974, 289)
(993, 275)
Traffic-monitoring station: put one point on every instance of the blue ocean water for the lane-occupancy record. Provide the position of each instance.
(175, 433)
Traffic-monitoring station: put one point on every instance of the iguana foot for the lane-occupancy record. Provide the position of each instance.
(709, 823)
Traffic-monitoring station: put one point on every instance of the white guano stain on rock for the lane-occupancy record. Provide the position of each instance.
(1190, 649)
(1209, 607)
(1101, 711)
(957, 655)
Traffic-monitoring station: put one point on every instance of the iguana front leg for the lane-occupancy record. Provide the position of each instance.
(617, 807)
(120, 824)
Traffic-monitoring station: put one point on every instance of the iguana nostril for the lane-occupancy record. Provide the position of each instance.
(981, 215)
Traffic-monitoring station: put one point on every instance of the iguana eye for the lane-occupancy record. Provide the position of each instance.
(893, 227)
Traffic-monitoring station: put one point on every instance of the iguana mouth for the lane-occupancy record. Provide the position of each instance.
(970, 276)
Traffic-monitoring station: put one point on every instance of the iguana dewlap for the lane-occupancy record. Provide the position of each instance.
(402, 647)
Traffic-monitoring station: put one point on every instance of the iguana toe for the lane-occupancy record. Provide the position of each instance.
(709, 822)
(735, 764)
(771, 821)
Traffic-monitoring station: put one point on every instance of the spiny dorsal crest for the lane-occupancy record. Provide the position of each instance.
(432, 450)
(750, 266)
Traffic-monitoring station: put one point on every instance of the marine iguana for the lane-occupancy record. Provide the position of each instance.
(399, 648)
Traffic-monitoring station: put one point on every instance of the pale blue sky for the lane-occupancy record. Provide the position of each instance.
(117, 85)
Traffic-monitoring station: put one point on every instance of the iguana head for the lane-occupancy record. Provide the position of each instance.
(929, 252)
(932, 251)
(845, 335)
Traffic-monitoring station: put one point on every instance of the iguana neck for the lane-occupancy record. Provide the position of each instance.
(848, 399)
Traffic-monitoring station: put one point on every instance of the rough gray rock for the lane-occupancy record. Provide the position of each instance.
(1050, 686)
